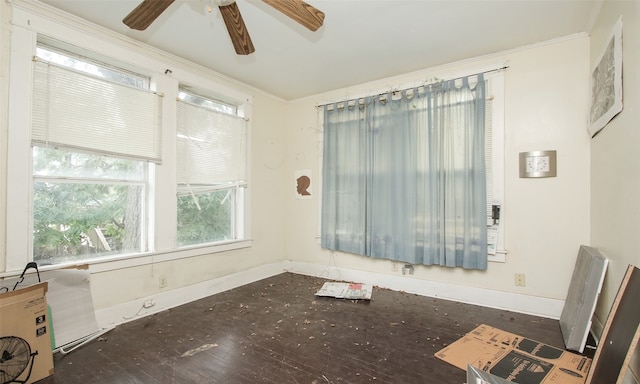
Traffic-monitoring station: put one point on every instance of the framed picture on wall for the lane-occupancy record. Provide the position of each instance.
(606, 82)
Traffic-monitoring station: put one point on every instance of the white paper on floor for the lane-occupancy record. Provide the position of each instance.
(353, 291)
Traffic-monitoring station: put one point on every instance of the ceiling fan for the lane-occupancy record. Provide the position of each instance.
(149, 10)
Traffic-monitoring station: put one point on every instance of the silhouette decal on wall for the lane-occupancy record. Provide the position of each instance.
(303, 184)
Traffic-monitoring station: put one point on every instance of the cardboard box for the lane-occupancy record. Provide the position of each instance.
(515, 358)
(25, 340)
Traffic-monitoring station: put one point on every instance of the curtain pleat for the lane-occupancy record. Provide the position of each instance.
(345, 174)
(404, 175)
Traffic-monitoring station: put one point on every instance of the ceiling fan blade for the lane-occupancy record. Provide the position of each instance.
(305, 14)
(145, 13)
(236, 28)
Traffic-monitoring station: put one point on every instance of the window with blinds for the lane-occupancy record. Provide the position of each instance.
(211, 170)
(94, 131)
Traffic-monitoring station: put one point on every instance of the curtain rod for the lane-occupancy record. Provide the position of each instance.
(473, 74)
(426, 83)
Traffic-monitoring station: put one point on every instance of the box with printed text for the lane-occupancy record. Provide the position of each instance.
(516, 358)
(25, 335)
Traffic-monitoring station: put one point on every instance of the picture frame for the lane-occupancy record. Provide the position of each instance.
(538, 164)
(580, 304)
(606, 82)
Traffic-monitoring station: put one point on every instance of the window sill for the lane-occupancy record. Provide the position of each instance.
(121, 262)
(160, 257)
(499, 257)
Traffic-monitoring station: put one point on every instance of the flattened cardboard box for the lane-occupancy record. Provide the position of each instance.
(515, 358)
(24, 318)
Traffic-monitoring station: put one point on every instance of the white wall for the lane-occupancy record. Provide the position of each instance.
(5, 49)
(615, 164)
(546, 90)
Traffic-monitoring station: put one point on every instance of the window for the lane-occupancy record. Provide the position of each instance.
(95, 130)
(92, 152)
(211, 170)
(405, 175)
(86, 205)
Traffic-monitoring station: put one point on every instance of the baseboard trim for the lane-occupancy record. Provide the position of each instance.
(135, 309)
(533, 305)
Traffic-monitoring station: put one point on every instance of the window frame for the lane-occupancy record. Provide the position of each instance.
(33, 23)
(142, 182)
(495, 90)
(199, 99)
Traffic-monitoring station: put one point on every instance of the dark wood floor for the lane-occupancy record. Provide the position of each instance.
(277, 331)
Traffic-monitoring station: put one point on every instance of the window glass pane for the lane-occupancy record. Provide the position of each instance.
(205, 217)
(84, 65)
(211, 104)
(77, 221)
(86, 206)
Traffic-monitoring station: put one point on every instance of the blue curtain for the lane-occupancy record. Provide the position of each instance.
(404, 175)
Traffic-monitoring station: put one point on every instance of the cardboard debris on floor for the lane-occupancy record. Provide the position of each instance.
(515, 358)
(352, 291)
(25, 335)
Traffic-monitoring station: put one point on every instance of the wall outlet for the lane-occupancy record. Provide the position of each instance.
(407, 269)
(519, 279)
(162, 281)
(149, 303)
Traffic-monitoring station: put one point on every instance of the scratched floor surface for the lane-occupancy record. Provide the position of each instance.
(277, 331)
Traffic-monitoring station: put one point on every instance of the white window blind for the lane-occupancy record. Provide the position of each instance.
(488, 156)
(74, 110)
(211, 147)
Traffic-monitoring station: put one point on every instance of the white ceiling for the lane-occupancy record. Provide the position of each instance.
(360, 41)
